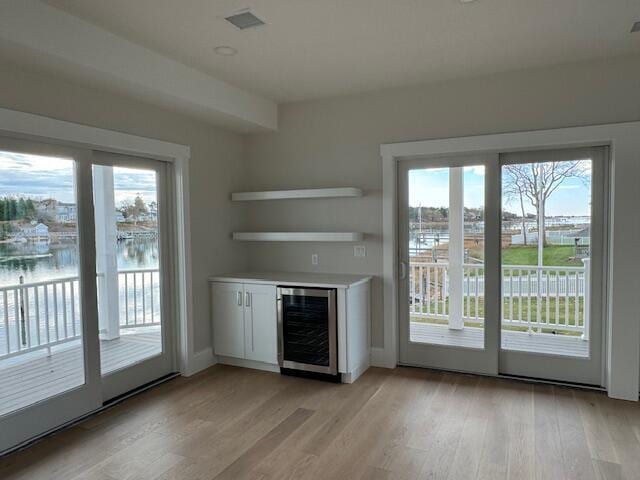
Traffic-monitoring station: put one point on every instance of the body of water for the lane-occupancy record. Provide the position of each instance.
(43, 261)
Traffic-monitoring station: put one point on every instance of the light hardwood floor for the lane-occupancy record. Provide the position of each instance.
(231, 423)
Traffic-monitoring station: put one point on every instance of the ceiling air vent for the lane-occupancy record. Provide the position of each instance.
(244, 19)
(636, 27)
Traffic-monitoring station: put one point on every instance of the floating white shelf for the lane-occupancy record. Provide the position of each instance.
(291, 194)
(298, 236)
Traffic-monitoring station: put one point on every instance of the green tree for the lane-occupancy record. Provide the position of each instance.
(13, 209)
(31, 213)
(22, 209)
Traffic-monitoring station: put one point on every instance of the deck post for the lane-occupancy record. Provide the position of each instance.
(106, 260)
(23, 331)
(456, 247)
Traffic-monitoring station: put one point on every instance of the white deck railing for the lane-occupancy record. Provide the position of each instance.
(44, 314)
(539, 299)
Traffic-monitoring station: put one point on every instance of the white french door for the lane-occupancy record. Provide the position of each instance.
(502, 263)
(84, 305)
(132, 245)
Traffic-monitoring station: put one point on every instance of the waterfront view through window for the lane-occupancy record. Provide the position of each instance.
(40, 315)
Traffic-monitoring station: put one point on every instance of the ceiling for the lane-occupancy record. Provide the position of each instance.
(321, 48)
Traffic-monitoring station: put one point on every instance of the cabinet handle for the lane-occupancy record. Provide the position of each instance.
(239, 298)
(247, 299)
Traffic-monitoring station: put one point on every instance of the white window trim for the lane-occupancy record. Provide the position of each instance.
(622, 363)
(37, 127)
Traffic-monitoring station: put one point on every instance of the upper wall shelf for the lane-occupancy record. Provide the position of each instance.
(291, 194)
(298, 236)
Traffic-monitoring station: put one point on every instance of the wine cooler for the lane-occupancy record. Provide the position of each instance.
(307, 330)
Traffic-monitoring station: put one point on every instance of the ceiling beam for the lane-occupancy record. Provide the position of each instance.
(61, 37)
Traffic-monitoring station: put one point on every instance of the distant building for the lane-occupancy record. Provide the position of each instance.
(119, 216)
(34, 233)
(66, 213)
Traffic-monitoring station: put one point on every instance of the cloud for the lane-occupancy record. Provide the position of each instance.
(36, 176)
(39, 176)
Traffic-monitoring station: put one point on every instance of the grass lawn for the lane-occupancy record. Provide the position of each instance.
(554, 255)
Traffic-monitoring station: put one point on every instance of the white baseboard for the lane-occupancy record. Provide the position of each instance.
(205, 359)
(351, 377)
(382, 358)
(200, 361)
(241, 362)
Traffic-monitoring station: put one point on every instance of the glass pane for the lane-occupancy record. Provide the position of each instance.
(446, 256)
(546, 230)
(41, 352)
(126, 212)
(306, 336)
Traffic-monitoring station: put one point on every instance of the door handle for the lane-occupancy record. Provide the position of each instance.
(247, 299)
(403, 270)
(239, 297)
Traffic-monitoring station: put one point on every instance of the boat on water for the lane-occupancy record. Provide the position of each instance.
(25, 257)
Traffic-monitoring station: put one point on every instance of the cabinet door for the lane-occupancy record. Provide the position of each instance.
(261, 330)
(228, 319)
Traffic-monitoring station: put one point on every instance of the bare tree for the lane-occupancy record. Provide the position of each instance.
(134, 210)
(513, 188)
(537, 181)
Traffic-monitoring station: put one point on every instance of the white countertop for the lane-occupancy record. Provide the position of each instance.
(290, 279)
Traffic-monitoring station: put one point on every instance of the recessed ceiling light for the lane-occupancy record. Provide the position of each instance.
(225, 50)
(636, 27)
(467, 1)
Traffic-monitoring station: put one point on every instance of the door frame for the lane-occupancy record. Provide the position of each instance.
(59, 132)
(621, 368)
(67, 135)
(465, 359)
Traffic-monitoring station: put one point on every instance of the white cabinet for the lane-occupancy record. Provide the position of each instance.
(245, 321)
(260, 323)
(245, 318)
(228, 319)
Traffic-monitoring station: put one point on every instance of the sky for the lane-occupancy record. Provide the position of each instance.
(430, 188)
(41, 177)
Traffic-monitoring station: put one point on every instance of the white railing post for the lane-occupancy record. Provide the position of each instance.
(23, 331)
(586, 296)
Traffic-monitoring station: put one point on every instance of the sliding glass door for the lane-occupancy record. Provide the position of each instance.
(84, 309)
(501, 263)
(552, 245)
(48, 343)
(448, 262)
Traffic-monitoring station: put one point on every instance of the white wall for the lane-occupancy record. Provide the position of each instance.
(336, 142)
(215, 165)
(333, 142)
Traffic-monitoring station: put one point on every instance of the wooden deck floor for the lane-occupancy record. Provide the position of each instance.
(520, 341)
(407, 423)
(33, 377)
